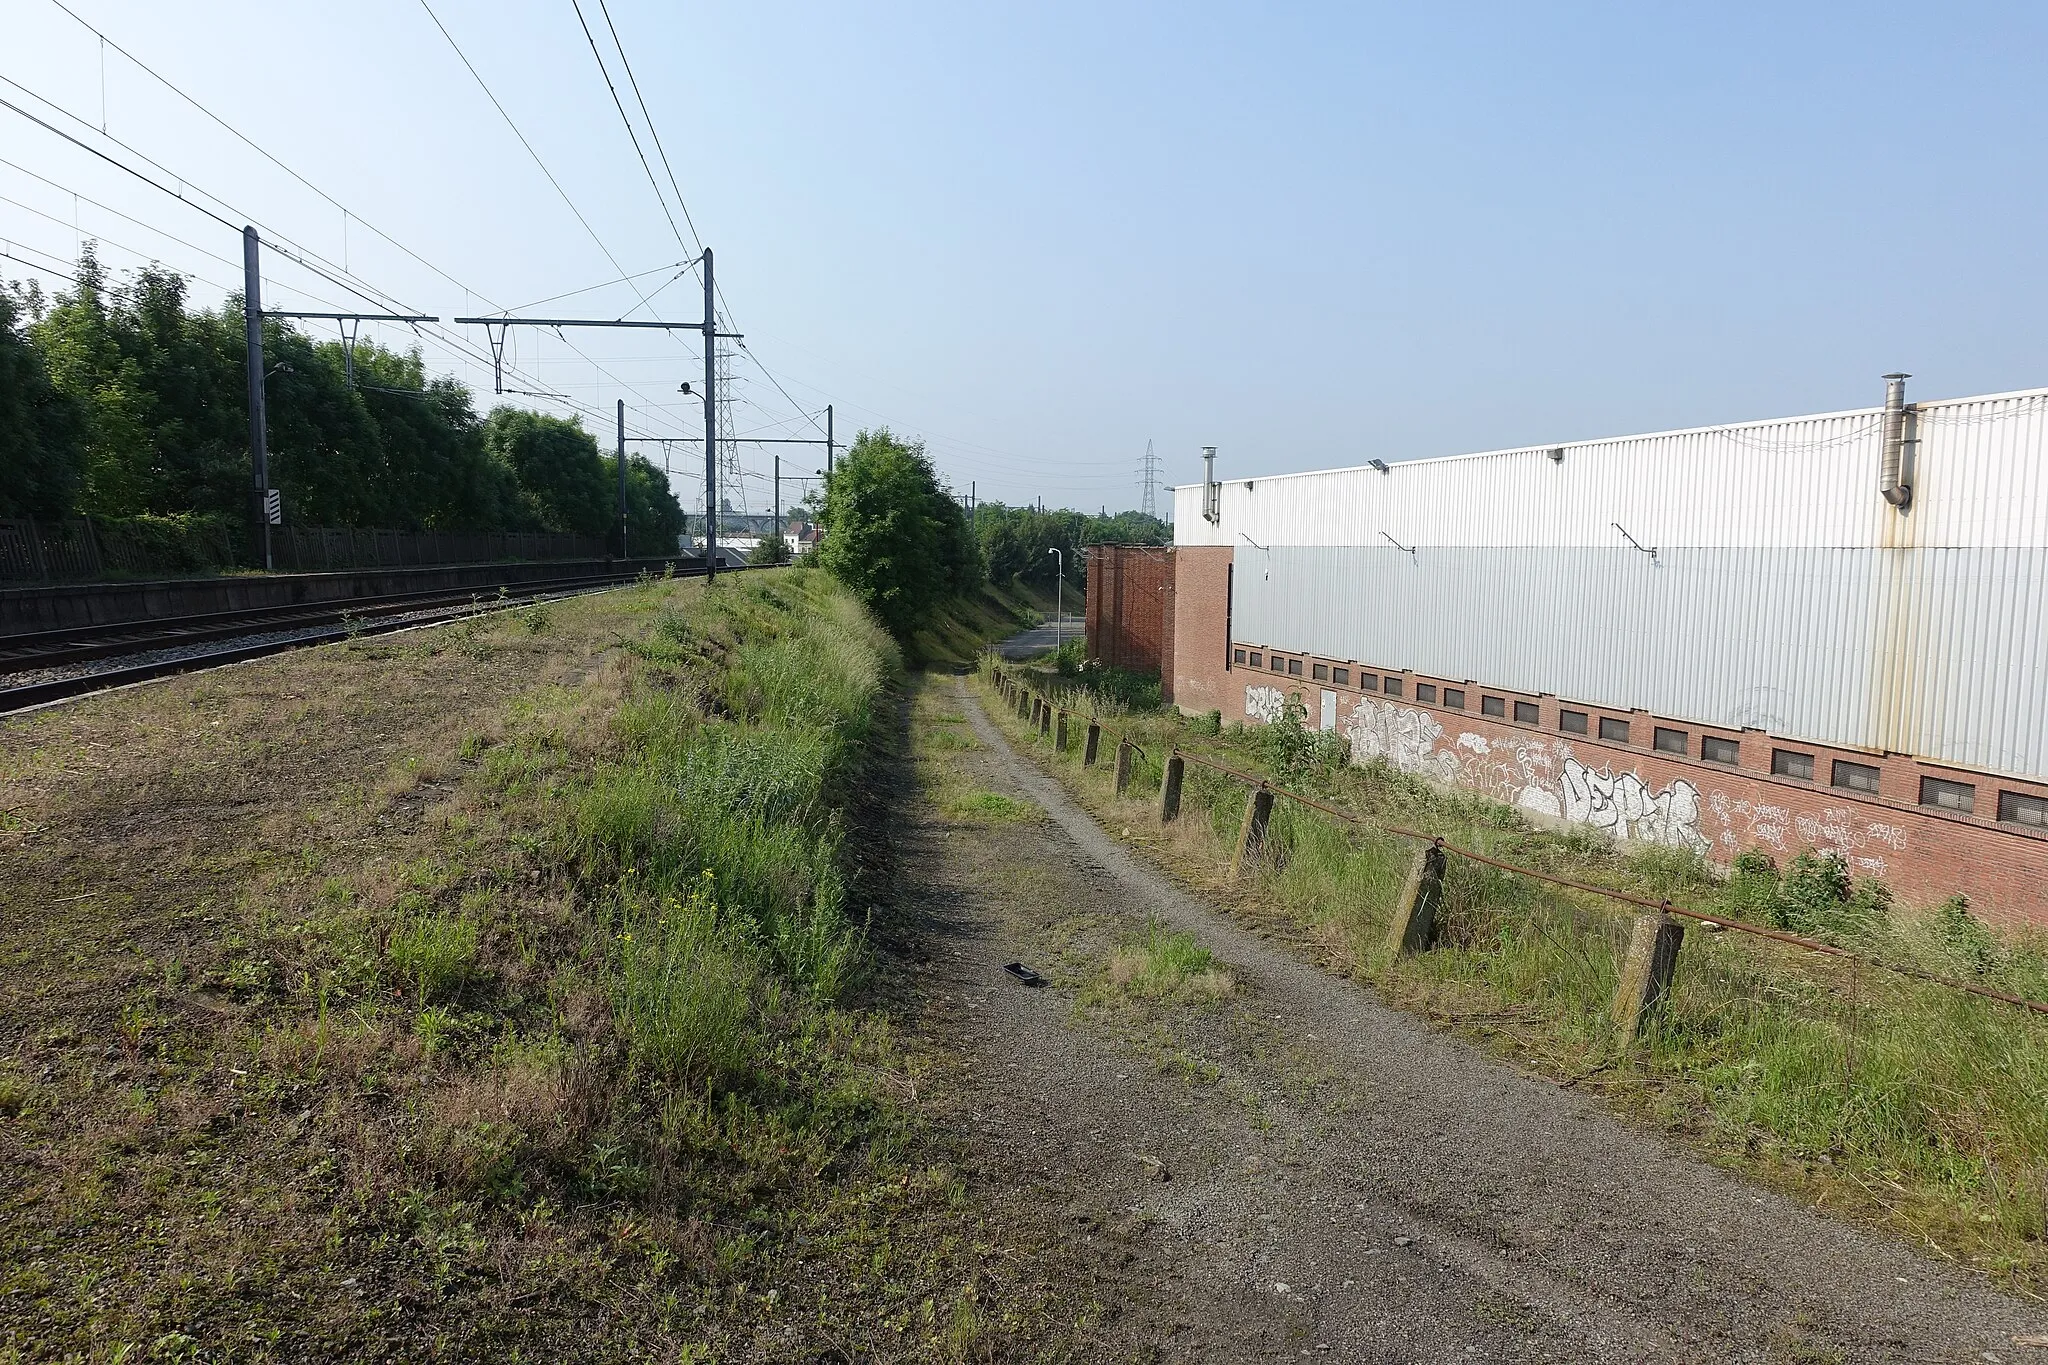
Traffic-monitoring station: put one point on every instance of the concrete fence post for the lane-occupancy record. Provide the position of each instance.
(1646, 973)
(1251, 837)
(1123, 765)
(1094, 743)
(1169, 789)
(1045, 718)
(1023, 703)
(1059, 734)
(1413, 929)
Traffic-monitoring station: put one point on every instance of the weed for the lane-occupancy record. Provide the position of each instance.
(434, 954)
(437, 1027)
(1163, 966)
(991, 808)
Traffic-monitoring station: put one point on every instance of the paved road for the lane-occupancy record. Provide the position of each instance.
(1042, 639)
(1345, 1183)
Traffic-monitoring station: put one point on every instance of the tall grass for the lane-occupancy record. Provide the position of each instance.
(1914, 1101)
(720, 823)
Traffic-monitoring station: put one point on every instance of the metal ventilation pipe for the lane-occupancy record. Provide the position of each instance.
(1212, 491)
(1896, 490)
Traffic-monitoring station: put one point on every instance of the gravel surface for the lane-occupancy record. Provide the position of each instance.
(1342, 1182)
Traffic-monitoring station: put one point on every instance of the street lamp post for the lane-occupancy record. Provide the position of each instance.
(1059, 595)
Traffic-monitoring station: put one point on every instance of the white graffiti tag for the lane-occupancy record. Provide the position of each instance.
(1264, 704)
(1403, 736)
(1623, 805)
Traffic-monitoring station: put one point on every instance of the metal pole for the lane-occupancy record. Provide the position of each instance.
(259, 456)
(778, 498)
(828, 438)
(710, 422)
(622, 478)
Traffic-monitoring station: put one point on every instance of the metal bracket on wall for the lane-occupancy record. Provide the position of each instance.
(1408, 550)
(1649, 550)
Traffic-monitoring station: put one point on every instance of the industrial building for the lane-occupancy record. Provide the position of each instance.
(1819, 632)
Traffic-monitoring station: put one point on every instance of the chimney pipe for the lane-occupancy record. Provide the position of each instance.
(1896, 491)
(1212, 491)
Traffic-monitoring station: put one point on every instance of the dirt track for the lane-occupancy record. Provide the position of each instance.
(1342, 1181)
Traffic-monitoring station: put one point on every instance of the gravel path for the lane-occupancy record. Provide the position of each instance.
(1343, 1182)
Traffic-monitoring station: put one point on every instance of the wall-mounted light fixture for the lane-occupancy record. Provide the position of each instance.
(1380, 465)
(1556, 454)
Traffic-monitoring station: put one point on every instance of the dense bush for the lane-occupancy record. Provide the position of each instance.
(894, 535)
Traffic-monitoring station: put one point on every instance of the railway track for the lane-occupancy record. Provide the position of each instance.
(184, 644)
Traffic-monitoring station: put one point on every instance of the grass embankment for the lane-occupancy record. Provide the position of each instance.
(962, 627)
(490, 991)
(1914, 1105)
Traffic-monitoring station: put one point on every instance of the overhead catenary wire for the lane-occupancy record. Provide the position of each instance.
(283, 245)
(497, 104)
(274, 239)
(345, 278)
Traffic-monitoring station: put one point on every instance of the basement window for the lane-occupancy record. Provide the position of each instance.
(1855, 777)
(1294, 668)
(1370, 682)
(1237, 656)
(1715, 749)
(1454, 698)
(1341, 676)
(1393, 687)
(1425, 691)
(2023, 808)
(1322, 672)
(1493, 706)
(1572, 722)
(1786, 763)
(1667, 741)
(1258, 659)
(1960, 797)
(1526, 713)
(1615, 731)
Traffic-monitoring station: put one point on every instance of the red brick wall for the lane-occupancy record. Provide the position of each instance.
(1130, 596)
(1630, 788)
(1201, 636)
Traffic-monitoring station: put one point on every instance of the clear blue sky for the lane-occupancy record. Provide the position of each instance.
(1039, 235)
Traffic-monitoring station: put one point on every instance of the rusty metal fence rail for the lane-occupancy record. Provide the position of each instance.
(1664, 907)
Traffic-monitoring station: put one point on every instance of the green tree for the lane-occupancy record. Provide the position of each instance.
(561, 476)
(893, 534)
(40, 425)
(653, 516)
(163, 409)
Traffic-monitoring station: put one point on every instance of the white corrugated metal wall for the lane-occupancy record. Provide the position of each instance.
(1785, 594)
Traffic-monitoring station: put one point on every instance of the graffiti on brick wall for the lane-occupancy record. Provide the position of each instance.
(1402, 735)
(1623, 805)
(1543, 775)
(1862, 842)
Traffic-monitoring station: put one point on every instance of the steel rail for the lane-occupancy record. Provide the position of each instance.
(27, 695)
(98, 640)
